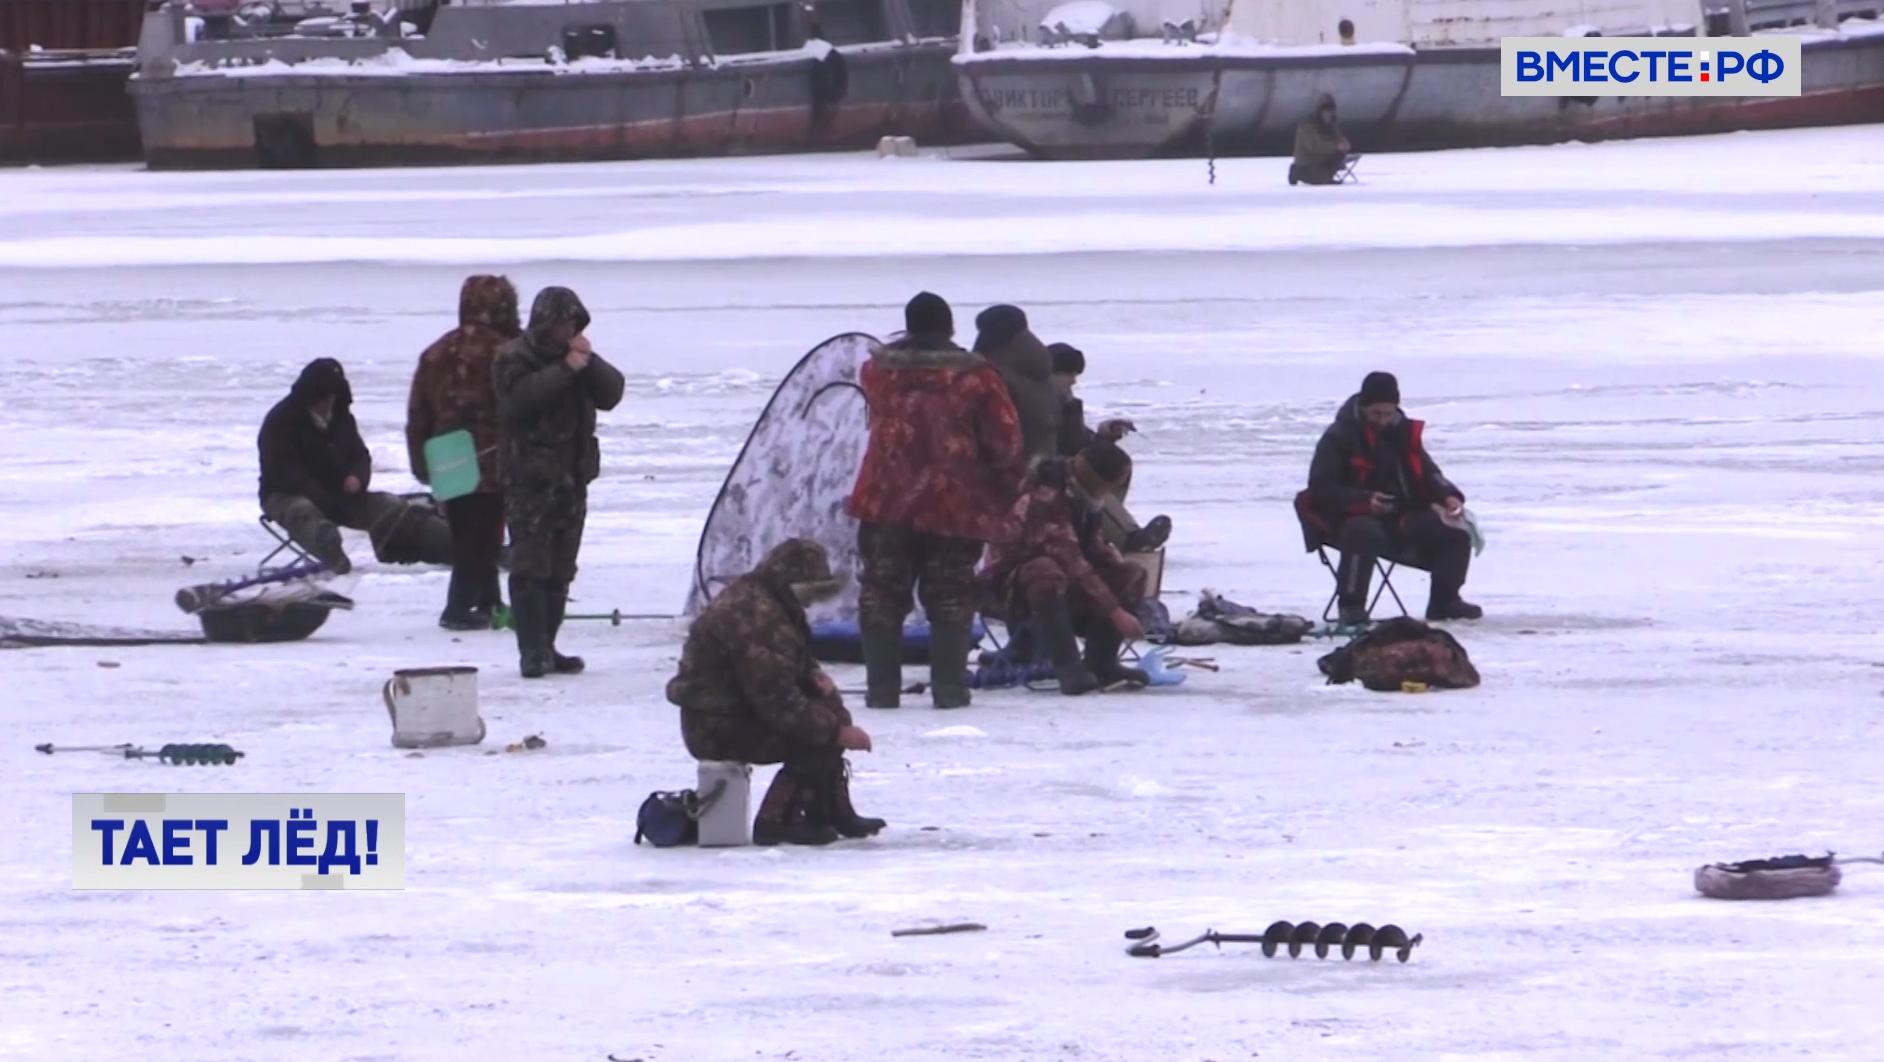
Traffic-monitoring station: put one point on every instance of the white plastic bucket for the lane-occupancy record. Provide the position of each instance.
(434, 706)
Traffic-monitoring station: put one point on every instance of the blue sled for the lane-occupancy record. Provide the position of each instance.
(838, 642)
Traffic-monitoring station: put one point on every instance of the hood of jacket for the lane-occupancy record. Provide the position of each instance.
(489, 301)
(320, 378)
(552, 307)
(794, 562)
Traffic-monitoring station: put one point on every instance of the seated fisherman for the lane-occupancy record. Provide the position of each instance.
(1118, 525)
(749, 691)
(1321, 151)
(1052, 567)
(315, 474)
(1374, 491)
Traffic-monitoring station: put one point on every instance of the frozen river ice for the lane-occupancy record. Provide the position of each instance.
(1654, 367)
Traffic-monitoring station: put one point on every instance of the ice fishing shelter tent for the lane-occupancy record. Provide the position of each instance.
(791, 480)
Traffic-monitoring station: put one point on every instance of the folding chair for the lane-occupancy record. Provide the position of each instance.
(283, 544)
(1318, 538)
(1345, 175)
(1383, 566)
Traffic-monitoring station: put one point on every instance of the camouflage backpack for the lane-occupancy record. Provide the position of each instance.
(1400, 651)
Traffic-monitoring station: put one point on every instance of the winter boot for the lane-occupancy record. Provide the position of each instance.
(948, 664)
(1056, 629)
(883, 666)
(1457, 608)
(1102, 659)
(328, 550)
(785, 814)
(459, 614)
(839, 812)
(529, 615)
(1351, 581)
(558, 599)
(1150, 538)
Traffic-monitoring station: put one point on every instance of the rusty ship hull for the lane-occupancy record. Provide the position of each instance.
(492, 84)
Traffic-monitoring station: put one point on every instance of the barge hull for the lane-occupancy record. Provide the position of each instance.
(1434, 99)
(292, 120)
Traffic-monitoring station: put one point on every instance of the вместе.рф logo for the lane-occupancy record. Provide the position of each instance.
(1649, 66)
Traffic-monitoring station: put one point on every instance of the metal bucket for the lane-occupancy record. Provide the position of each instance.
(433, 707)
(725, 789)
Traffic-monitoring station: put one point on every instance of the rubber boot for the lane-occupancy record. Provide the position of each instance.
(328, 550)
(1351, 580)
(785, 813)
(459, 614)
(1056, 629)
(1102, 659)
(948, 664)
(529, 615)
(883, 666)
(839, 812)
(491, 596)
(1443, 601)
(558, 600)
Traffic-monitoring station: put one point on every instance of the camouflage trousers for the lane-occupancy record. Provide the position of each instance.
(745, 737)
(401, 532)
(545, 534)
(897, 564)
(1042, 580)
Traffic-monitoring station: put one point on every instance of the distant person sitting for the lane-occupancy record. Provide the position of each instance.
(1052, 568)
(315, 474)
(1118, 525)
(749, 691)
(1321, 151)
(1375, 491)
(1346, 29)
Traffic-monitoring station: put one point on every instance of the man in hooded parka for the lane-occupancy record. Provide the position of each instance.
(315, 471)
(1321, 149)
(749, 691)
(549, 382)
(452, 391)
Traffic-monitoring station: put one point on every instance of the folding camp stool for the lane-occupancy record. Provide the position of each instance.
(1345, 175)
(283, 544)
(1383, 566)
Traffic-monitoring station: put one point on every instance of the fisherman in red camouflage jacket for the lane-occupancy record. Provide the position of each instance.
(942, 466)
(1053, 566)
(452, 389)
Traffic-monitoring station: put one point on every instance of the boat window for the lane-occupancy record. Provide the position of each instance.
(851, 21)
(935, 18)
(596, 41)
(736, 30)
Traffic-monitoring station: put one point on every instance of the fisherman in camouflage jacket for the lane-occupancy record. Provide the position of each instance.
(549, 383)
(451, 390)
(749, 691)
(942, 466)
(1052, 566)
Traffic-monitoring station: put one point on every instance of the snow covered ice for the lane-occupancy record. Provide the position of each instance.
(1653, 366)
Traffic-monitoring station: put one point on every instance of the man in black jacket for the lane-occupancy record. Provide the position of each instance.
(1119, 526)
(549, 383)
(1374, 491)
(315, 474)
